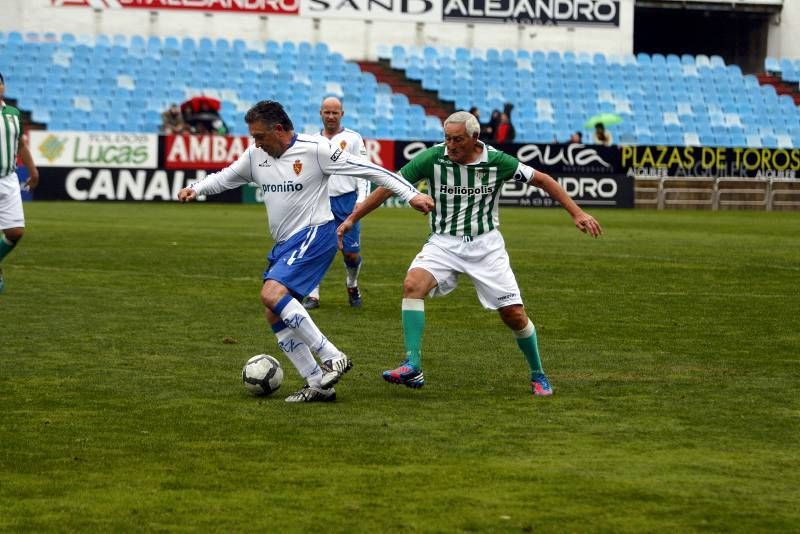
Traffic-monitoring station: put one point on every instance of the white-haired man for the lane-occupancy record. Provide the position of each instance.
(465, 176)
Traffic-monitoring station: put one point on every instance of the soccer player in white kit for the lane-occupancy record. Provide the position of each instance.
(292, 171)
(465, 176)
(12, 218)
(346, 193)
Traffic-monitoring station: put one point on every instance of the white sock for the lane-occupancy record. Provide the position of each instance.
(300, 356)
(352, 274)
(314, 293)
(299, 321)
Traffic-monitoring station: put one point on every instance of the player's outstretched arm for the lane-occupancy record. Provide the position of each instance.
(583, 221)
(422, 202)
(375, 199)
(187, 194)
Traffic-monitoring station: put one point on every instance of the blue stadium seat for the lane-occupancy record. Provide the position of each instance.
(771, 64)
(15, 37)
(622, 84)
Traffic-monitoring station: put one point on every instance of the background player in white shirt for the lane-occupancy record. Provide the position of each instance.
(292, 171)
(346, 193)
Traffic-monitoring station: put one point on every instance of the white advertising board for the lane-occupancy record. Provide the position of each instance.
(98, 149)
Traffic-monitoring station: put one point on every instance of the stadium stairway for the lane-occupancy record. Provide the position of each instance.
(399, 83)
(781, 86)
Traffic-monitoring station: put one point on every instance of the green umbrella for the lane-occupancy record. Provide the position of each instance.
(608, 119)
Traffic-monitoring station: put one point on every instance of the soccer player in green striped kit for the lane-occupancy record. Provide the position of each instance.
(12, 218)
(464, 177)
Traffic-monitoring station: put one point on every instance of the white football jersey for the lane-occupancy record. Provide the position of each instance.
(295, 185)
(339, 184)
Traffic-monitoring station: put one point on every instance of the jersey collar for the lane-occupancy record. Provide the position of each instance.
(322, 133)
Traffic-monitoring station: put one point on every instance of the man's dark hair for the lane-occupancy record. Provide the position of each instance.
(270, 113)
(2, 80)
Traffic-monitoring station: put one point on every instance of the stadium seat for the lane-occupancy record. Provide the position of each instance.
(659, 97)
(772, 65)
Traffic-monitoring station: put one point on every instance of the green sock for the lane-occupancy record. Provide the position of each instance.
(529, 345)
(413, 327)
(6, 246)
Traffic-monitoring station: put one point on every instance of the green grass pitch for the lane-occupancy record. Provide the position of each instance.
(672, 344)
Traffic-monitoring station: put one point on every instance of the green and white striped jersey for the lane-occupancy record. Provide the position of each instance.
(10, 133)
(465, 195)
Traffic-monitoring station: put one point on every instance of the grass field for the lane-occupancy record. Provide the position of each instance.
(672, 344)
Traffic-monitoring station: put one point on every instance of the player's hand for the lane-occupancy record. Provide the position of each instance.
(422, 202)
(31, 183)
(588, 224)
(187, 194)
(343, 228)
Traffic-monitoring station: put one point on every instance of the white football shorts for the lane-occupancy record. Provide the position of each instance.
(482, 258)
(11, 215)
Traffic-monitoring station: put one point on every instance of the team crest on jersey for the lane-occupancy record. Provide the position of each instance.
(297, 167)
(343, 144)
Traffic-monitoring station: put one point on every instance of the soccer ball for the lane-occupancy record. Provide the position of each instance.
(262, 374)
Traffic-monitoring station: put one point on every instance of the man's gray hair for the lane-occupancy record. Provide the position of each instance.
(469, 121)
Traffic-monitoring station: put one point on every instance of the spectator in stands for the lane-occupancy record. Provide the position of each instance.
(601, 135)
(504, 132)
(172, 121)
(576, 137)
(488, 129)
(203, 118)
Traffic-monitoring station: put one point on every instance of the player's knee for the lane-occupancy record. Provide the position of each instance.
(418, 284)
(14, 234)
(351, 257)
(514, 317)
(271, 294)
(414, 289)
(411, 288)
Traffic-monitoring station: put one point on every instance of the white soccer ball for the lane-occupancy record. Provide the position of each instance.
(262, 374)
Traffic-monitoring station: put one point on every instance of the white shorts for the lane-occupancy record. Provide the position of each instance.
(11, 215)
(483, 259)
